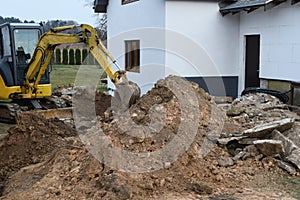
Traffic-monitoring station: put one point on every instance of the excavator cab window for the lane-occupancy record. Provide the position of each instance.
(6, 42)
(25, 43)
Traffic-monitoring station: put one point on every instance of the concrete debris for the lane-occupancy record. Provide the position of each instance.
(263, 131)
(288, 144)
(294, 158)
(225, 141)
(222, 99)
(269, 131)
(287, 167)
(235, 111)
(270, 147)
(225, 161)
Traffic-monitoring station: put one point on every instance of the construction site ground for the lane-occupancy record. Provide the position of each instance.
(47, 159)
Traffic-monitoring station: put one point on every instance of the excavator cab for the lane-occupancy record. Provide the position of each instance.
(17, 44)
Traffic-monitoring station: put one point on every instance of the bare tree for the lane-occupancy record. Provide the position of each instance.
(101, 21)
(102, 27)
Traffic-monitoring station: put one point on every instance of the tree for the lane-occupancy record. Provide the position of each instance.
(10, 20)
(31, 21)
(65, 56)
(77, 57)
(71, 57)
(84, 55)
(57, 56)
(102, 27)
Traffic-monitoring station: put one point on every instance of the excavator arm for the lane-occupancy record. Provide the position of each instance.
(45, 48)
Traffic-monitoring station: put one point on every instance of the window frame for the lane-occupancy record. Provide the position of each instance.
(132, 55)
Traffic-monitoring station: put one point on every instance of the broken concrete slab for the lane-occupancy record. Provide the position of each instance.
(286, 166)
(288, 144)
(225, 141)
(293, 134)
(294, 158)
(270, 147)
(263, 131)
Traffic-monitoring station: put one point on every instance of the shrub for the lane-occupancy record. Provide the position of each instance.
(65, 57)
(57, 56)
(71, 57)
(77, 57)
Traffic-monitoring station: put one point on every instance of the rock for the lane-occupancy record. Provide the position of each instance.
(288, 144)
(264, 130)
(222, 99)
(225, 161)
(294, 158)
(238, 156)
(286, 166)
(270, 147)
(235, 111)
(251, 150)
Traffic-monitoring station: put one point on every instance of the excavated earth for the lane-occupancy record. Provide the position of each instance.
(46, 159)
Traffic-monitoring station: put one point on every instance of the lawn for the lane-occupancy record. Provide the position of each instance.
(65, 75)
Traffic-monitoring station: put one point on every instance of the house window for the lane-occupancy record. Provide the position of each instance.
(132, 55)
(128, 1)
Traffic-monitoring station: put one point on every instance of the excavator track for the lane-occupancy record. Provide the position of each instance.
(8, 112)
(13, 112)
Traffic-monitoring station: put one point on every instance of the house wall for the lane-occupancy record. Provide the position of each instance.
(142, 20)
(202, 45)
(279, 30)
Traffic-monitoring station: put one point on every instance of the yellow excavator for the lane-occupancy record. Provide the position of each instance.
(25, 55)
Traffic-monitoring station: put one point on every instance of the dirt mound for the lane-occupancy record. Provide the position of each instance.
(174, 112)
(30, 142)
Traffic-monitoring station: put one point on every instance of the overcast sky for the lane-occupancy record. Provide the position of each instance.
(44, 10)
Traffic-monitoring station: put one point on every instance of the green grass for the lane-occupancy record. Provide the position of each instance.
(65, 75)
(291, 185)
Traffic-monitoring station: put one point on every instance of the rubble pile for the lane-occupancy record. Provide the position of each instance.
(234, 146)
(269, 130)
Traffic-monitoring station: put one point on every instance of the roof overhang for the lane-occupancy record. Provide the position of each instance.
(235, 6)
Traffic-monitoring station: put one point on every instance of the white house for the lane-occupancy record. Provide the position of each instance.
(224, 46)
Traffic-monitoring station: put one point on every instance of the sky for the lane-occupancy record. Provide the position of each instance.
(44, 10)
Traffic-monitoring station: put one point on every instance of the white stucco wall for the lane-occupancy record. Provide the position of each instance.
(200, 42)
(279, 30)
(142, 20)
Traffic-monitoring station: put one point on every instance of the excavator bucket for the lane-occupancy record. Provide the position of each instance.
(125, 95)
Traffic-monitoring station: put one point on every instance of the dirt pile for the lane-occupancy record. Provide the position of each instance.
(30, 142)
(57, 164)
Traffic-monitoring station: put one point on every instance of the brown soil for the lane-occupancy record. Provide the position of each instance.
(45, 159)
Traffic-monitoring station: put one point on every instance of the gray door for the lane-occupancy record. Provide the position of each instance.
(252, 61)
